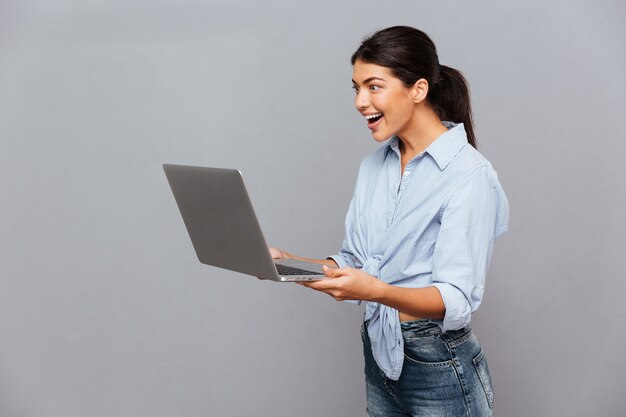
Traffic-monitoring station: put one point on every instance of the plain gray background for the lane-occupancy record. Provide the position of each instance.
(104, 309)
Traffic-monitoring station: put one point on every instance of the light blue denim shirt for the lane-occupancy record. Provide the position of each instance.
(433, 225)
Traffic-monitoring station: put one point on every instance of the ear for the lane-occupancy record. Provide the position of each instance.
(419, 91)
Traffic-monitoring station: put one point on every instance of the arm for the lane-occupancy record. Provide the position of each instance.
(281, 254)
(354, 284)
(416, 302)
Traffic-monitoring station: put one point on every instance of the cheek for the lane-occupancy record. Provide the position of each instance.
(403, 110)
(396, 107)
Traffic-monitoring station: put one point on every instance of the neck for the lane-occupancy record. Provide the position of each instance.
(422, 130)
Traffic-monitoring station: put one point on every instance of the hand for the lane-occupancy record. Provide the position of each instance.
(278, 253)
(347, 284)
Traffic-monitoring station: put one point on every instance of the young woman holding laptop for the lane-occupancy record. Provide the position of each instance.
(420, 229)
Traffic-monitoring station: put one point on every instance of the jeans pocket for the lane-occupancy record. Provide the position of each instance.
(427, 351)
(482, 369)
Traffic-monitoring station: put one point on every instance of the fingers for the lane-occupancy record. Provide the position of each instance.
(325, 285)
(321, 285)
(334, 272)
(276, 253)
(335, 287)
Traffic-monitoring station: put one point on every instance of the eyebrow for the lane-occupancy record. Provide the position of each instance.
(369, 80)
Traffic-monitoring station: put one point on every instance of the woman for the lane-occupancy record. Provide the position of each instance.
(420, 229)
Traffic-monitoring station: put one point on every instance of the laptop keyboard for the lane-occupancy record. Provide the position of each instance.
(287, 270)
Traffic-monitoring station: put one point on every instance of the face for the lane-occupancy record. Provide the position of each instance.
(385, 102)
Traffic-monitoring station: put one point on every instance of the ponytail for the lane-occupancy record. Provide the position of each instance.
(450, 99)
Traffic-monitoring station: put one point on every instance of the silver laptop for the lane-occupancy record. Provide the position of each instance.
(223, 228)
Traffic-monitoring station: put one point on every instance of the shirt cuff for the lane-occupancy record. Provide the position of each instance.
(458, 310)
(341, 261)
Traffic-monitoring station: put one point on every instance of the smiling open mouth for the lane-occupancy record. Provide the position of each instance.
(373, 118)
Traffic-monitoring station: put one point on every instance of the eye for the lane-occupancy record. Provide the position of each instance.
(374, 88)
(355, 88)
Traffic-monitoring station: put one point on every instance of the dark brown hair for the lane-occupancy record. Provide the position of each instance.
(410, 55)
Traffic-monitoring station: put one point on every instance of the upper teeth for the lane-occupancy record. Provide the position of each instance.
(373, 116)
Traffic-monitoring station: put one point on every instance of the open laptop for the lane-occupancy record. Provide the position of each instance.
(223, 228)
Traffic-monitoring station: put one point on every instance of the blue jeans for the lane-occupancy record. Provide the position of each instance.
(444, 374)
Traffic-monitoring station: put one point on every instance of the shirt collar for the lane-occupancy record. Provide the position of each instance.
(444, 148)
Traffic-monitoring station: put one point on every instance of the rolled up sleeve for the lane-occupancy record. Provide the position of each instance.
(343, 260)
(464, 246)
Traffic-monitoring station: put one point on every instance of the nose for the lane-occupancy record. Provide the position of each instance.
(361, 101)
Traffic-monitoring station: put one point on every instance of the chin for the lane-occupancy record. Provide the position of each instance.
(380, 137)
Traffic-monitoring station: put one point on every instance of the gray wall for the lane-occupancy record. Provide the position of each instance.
(104, 310)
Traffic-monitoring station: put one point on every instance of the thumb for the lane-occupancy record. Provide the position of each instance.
(332, 272)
